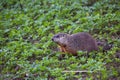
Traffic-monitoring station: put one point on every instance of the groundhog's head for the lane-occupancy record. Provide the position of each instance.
(60, 38)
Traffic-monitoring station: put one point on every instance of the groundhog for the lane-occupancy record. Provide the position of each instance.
(76, 42)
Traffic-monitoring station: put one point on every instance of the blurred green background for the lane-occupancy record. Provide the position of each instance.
(26, 29)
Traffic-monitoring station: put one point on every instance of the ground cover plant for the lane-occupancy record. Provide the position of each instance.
(26, 49)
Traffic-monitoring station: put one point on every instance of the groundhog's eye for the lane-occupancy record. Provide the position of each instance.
(57, 36)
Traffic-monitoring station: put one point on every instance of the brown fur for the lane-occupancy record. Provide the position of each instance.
(75, 42)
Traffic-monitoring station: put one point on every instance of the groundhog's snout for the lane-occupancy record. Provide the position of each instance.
(52, 39)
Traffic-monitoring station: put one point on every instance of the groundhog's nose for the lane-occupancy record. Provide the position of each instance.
(52, 39)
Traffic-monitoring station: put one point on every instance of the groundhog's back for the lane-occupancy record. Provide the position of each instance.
(81, 41)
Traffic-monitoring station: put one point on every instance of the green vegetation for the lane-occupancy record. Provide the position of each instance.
(26, 29)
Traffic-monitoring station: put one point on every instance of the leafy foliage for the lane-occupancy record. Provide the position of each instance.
(26, 29)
